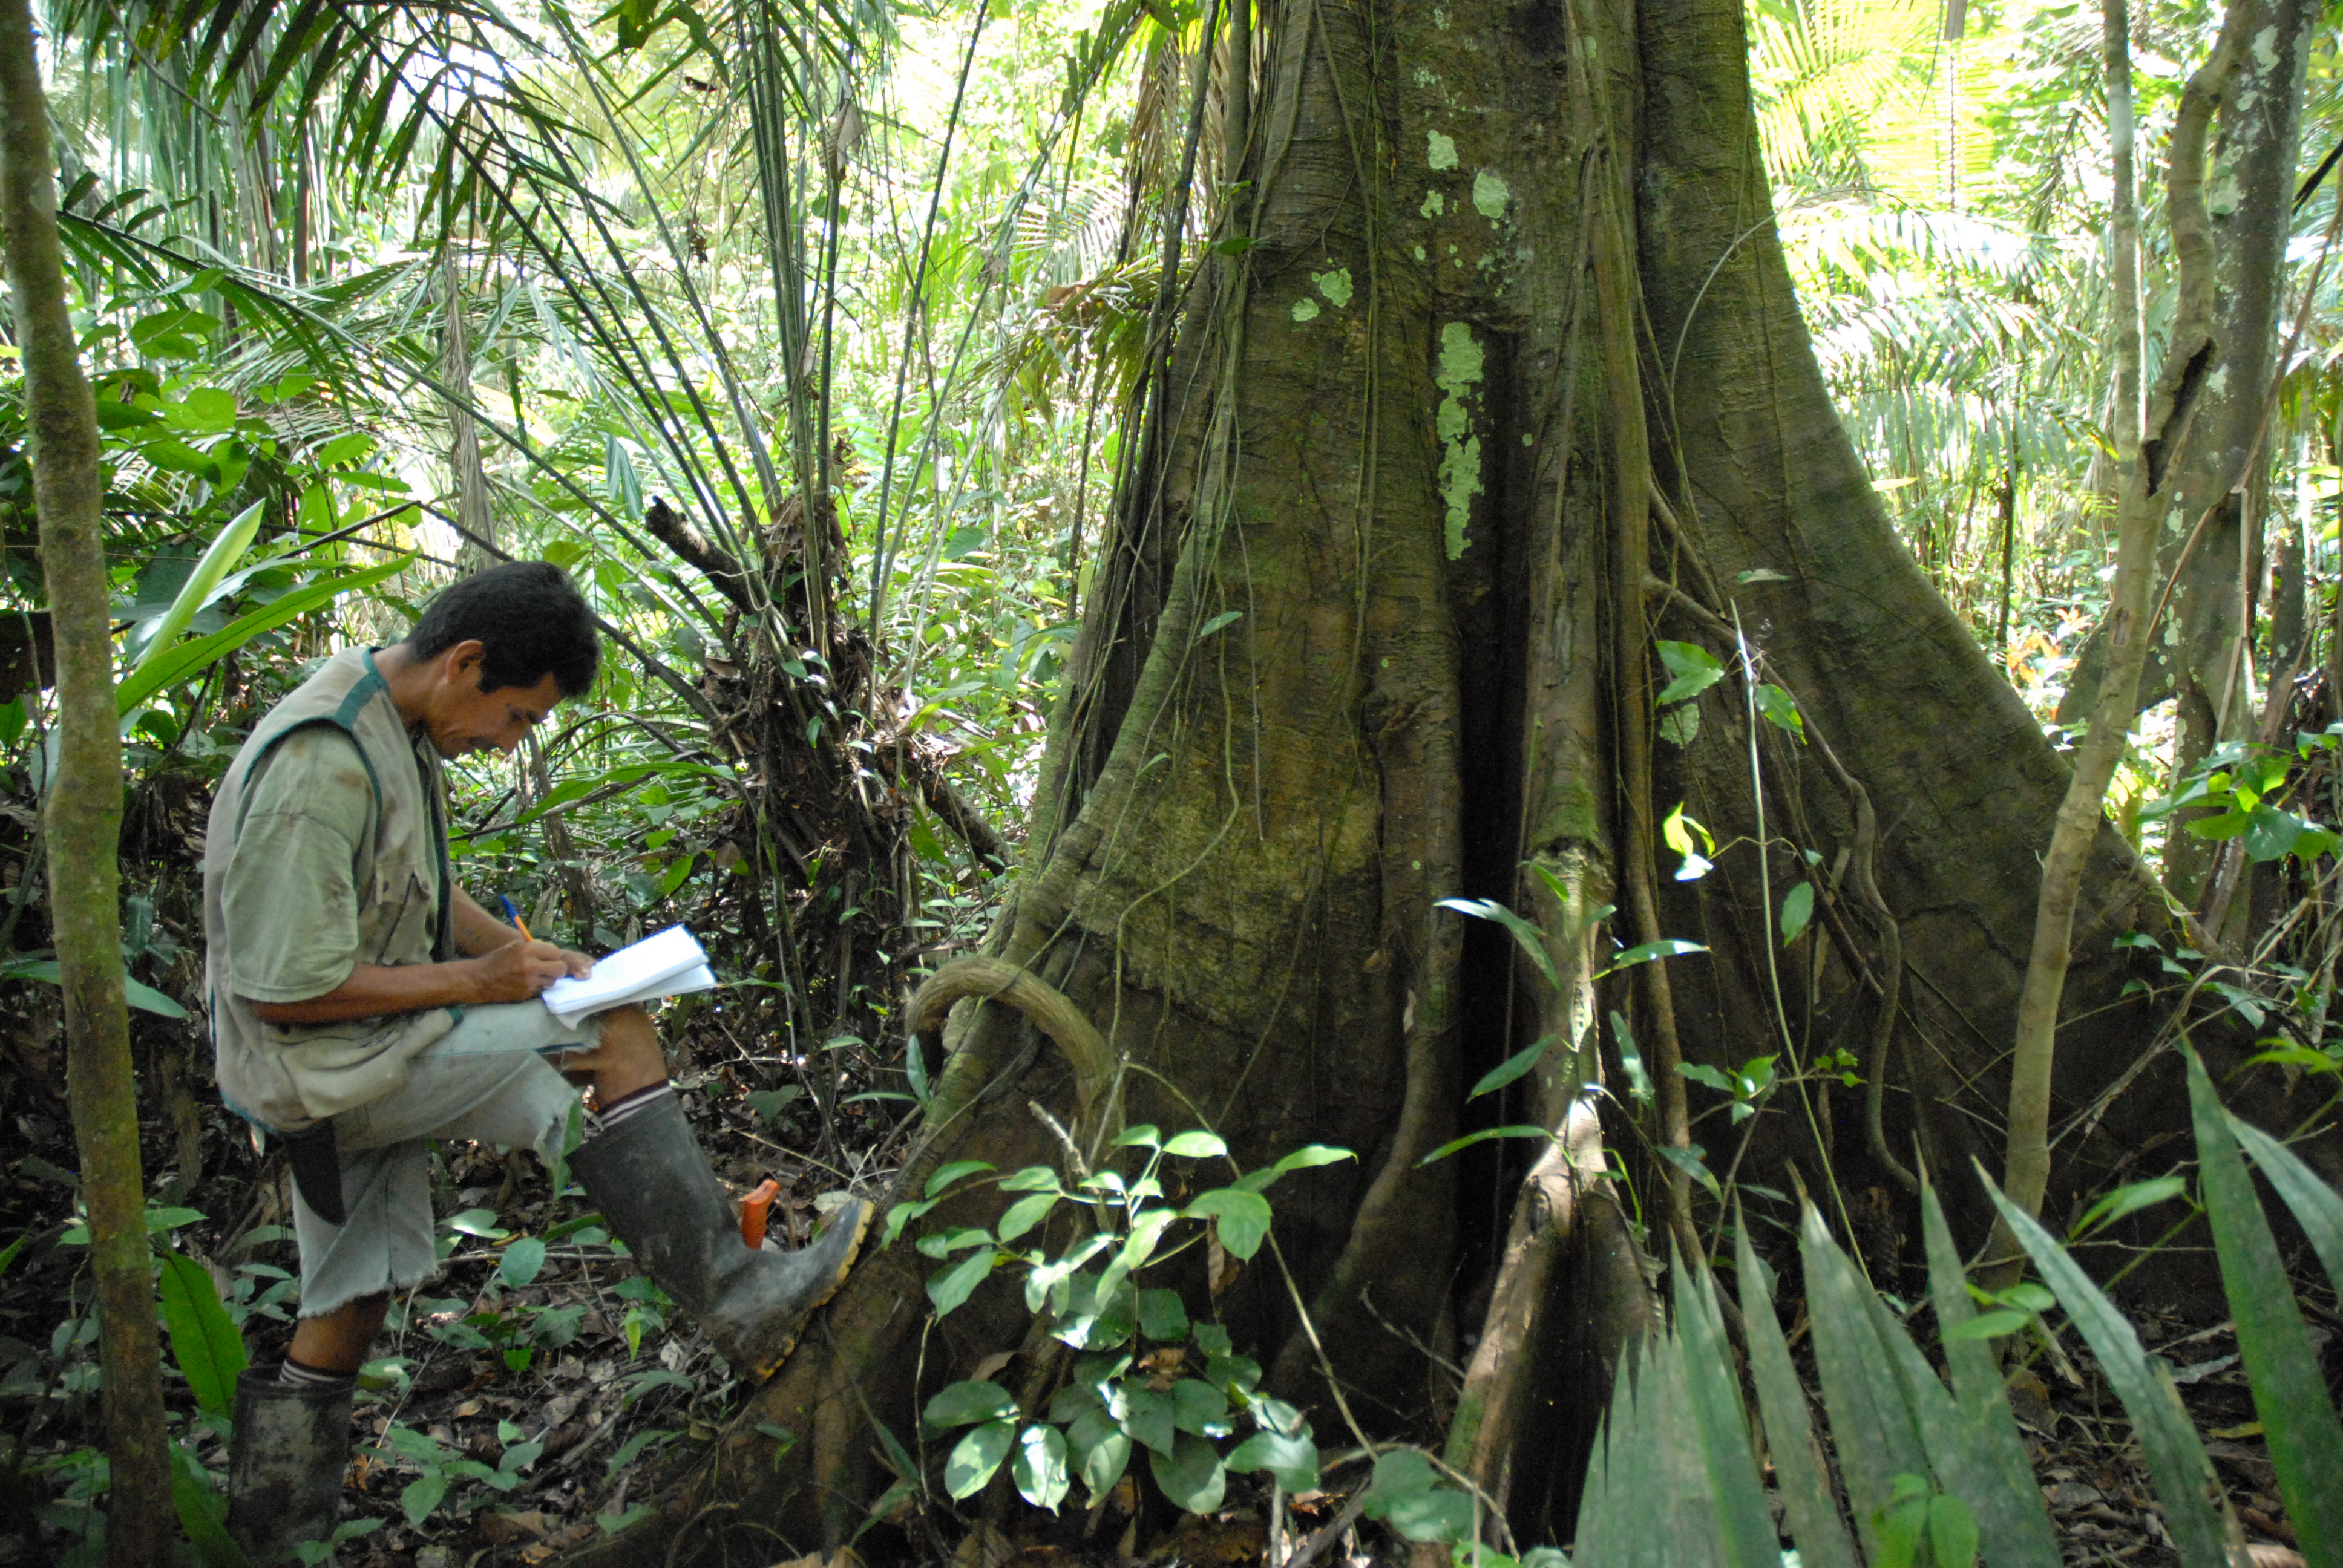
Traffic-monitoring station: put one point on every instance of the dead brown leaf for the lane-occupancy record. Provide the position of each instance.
(507, 1529)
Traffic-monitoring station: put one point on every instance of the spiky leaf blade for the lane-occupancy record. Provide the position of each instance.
(1806, 1501)
(2306, 1442)
(2011, 1518)
(2183, 1477)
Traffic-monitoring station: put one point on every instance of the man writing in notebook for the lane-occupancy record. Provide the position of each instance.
(363, 1003)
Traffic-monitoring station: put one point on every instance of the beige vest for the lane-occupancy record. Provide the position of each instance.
(290, 1075)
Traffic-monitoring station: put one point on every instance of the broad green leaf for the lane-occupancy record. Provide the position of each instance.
(2128, 1200)
(1527, 935)
(1025, 1213)
(203, 1514)
(1220, 622)
(1243, 1217)
(942, 1244)
(1033, 1179)
(2298, 1421)
(1510, 1069)
(168, 669)
(1041, 1469)
(967, 1403)
(1142, 1135)
(1993, 1325)
(1666, 948)
(2160, 1424)
(1780, 710)
(203, 1339)
(1952, 1533)
(1693, 1163)
(1196, 1146)
(1293, 1461)
(948, 1289)
(1797, 912)
(480, 1222)
(1146, 1415)
(1199, 1407)
(145, 997)
(1162, 1317)
(1694, 669)
(1406, 1493)
(975, 1458)
(1454, 1144)
(945, 1176)
(523, 1259)
(1102, 1451)
(1190, 1474)
(1308, 1157)
(233, 540)
(422, 1495)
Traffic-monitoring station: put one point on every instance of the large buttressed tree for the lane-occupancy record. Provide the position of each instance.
(1508, 382)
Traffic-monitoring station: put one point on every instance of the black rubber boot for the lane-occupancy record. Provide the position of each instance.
(286, 1464)
(651, 1181)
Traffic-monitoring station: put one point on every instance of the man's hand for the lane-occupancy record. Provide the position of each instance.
(518, 971)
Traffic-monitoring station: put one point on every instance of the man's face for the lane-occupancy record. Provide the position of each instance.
(461, 718)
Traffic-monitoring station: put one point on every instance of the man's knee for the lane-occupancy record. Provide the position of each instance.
(628, 1057)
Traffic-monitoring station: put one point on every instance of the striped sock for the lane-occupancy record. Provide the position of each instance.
(301, 1375)
(627, 1105)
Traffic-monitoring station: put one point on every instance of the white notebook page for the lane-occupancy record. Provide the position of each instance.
(668, 963)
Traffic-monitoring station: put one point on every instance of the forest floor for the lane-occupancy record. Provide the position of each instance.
(526, 1402)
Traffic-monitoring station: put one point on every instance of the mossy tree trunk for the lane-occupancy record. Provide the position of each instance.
(84, 813)
(1514, 293)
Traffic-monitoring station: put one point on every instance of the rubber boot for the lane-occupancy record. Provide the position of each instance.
(286, 1464)
(652, 1184)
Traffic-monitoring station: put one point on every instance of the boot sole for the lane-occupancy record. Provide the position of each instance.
(837, 1283)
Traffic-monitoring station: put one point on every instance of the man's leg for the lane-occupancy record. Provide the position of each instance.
(643, 1167)
(624, 1064)
(336, 1343)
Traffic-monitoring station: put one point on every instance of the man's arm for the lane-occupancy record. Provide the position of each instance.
(502, 967)
(513, 972)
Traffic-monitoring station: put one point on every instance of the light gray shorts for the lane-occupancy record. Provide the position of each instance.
(489, 1079)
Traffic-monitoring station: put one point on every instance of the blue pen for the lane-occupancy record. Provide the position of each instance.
(514, 916)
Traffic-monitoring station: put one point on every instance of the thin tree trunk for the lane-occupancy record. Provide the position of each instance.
(464, 469)
(2254, 156)
(2148, 478)
(84, 811)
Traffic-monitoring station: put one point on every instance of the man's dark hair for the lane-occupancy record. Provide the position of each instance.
(528, 615)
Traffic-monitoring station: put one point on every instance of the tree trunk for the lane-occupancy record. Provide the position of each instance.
(2196, 657)
(84, 811)
(2250, 190)
(1395, 449)
(466, 478)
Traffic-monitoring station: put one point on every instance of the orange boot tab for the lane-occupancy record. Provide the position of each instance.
(755, 1209)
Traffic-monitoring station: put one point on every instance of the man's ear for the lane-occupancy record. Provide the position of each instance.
(468, 663)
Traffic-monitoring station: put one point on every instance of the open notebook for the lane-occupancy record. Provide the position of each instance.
(668, 963)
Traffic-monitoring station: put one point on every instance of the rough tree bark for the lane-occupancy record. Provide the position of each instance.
(84, 811)
(1397, 447)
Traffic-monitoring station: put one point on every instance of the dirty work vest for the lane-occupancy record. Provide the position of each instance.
(290, 1075)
